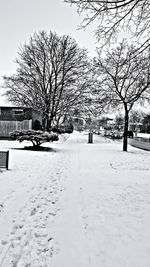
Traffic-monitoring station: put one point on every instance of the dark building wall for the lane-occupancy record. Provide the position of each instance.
(15, 114)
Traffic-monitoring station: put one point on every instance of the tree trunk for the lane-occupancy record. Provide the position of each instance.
(50, 122)
(47, 123)
(44, 123)
(126, 123)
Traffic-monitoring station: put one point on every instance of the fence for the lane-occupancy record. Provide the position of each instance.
(6, 127)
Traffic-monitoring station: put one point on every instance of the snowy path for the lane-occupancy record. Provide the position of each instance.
(85, 205)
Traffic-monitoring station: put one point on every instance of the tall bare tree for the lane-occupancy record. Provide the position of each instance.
(115, 16)
(122, 79)
(50, 75)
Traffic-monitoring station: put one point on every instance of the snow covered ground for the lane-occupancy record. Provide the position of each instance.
(80, 205)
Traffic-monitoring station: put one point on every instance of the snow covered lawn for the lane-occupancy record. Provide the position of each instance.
(80, 205)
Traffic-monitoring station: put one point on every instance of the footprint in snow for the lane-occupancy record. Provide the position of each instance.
(1, 208)
(4, 242)
(33, 212)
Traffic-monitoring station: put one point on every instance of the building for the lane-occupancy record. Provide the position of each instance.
(17, 118)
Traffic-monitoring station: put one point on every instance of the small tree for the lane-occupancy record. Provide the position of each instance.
(36, 137)
(122, 79)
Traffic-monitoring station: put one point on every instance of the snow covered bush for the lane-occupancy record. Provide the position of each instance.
(36, 137)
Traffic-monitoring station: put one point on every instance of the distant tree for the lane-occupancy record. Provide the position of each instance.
(136, 116)
(146, 124)
(122, 79)
(135, 121)
(36, 137)
(50, 75)
(119, 122)
(114, 16)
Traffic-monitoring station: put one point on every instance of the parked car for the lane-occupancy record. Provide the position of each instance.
(116, 135)
(107, 133)
(130, 134)
(113, 134)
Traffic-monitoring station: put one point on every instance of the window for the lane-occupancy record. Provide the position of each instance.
(18, 111)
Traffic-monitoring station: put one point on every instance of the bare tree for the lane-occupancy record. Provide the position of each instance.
(74, 97)
(122, 79)
(50, 69)
(115, 16)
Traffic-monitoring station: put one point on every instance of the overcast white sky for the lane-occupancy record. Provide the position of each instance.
(19, 19)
